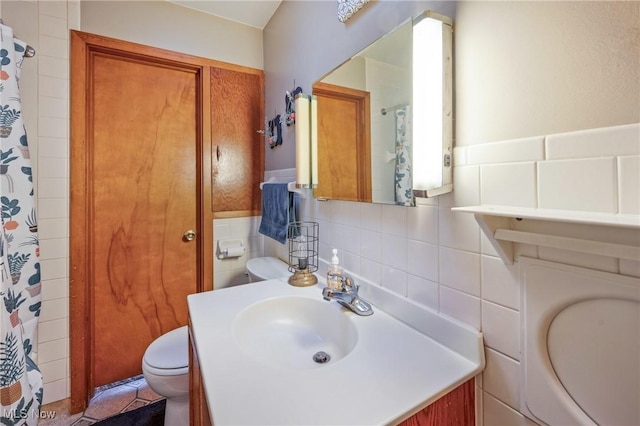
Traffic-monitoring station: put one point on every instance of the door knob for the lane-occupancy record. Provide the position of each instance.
(189, 235)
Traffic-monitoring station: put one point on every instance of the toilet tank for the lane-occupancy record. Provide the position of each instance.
(266, 268)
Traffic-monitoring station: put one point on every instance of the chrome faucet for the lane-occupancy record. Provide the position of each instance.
(347, 296)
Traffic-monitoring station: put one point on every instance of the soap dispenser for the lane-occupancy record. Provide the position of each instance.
(334, 272)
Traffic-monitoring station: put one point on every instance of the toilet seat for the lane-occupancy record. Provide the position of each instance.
(580, 345)
(168, 355)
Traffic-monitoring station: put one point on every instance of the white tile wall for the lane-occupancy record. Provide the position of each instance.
(497, 413)
(461, 306)
(394, 252)
(53, 350)
(460, 270)
(394, 280)
(603, 142)
(352, 240)
(47, 25)
(580, 184)
(458, 230)
(422, 224)
(529, 149)
(628, 178)
(395, 220)
(512, 184)
(423, 291)
(371, 245)
(450, 266)
(233, 271)
(501, 378)
(499, 282)
(501, 328)
(422, 260)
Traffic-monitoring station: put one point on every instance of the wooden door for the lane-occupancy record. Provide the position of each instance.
(136, 168)
(344, 146)
(143, 150)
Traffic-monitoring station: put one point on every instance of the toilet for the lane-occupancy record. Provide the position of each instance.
(266, 268)
(165, 366)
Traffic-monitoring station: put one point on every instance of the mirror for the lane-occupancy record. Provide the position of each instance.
(384, 118)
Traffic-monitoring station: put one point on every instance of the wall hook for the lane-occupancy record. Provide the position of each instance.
(289, 101)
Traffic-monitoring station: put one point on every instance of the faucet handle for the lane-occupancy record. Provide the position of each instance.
(348, 283)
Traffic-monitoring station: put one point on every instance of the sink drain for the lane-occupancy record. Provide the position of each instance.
(321, 357)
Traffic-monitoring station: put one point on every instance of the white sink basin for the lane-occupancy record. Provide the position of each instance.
(289, 331)
(255, 343)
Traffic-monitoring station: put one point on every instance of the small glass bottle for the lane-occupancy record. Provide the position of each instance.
(334, 273)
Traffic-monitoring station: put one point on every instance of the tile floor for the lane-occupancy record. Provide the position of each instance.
(108, 401)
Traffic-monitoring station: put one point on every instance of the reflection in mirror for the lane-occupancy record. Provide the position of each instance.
(368, 149)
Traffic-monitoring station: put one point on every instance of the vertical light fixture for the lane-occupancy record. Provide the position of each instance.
(431, 100)
(314, 141)
(306, 141)
(303, 140)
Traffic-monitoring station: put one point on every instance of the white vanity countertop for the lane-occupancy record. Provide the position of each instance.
(393, 372)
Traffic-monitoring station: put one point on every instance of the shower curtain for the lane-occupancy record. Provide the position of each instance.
(20, 379)
(403, 177)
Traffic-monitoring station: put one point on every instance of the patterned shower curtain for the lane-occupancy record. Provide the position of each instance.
(20, 380)
(403, 176)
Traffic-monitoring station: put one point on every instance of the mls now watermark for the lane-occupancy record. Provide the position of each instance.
(14, 413)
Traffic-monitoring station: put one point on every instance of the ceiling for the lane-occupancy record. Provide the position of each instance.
(254, 13)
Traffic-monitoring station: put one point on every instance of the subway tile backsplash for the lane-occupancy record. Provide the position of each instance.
(441, 260)
(232, 271)
(430, 243)
(509, 184)
(529, 149)
(495, 412)
(588, 184)
(603, 142)
(460, 270)
(501, 377)
(499, 282)
(628, 178)
(501, 329)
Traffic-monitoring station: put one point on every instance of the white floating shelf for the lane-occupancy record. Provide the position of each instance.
(508, 226)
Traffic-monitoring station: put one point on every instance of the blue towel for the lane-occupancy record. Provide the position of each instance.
(279, 207)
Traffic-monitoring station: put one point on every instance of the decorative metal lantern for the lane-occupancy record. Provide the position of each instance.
(303, 253)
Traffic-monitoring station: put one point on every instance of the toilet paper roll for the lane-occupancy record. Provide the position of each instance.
(230, 248)
(234, 252)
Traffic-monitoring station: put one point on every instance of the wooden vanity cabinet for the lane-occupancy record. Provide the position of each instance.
(198, 407)
(457, 408)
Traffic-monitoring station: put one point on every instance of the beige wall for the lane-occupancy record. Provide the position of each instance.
(304, 41)
(169, 26)
(534, 68)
